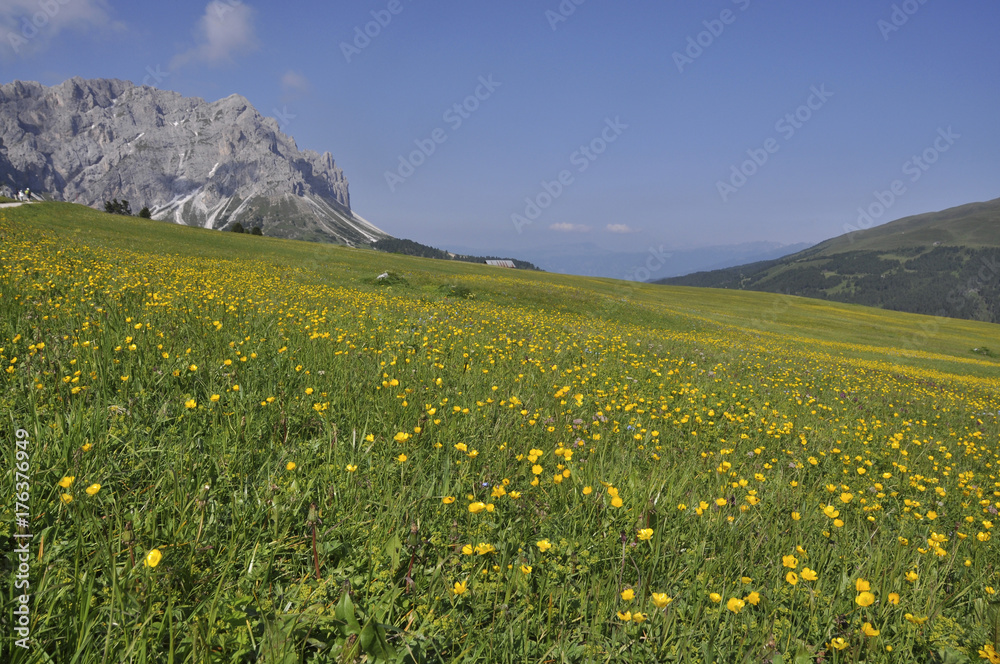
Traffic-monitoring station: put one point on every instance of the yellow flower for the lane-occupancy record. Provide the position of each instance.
(350, 468)
(193, 367)
(290, 465)
(625, 617)
(831, 512)
(153, 558)
(809, 574)
(67, 481)
(915, 620)
(93, 489)
(628, 594)
(796, 516)
(467, 549)
(790, 561)
(839, 643)
(86, 447)
(477, 507)
(894, 598)
(861, 585)
(661, 599)
(645, 534)
(869, 630)
(616, 502)
(461, 447)
(448, 500)
(792, 578)
(190, 404)
(536, 469)
(989, 653)
(721, 502)
(214, 398)
(846, 497)
(401, 438)
(638, 617)
(735, 605)
(460, 587)
(715, 597)
(753, 598)
(66, 498)
(912, 576)
(401, 458)
(526, 569)
(482, 549)
(587, 490)
(745, 580)
(865, 599)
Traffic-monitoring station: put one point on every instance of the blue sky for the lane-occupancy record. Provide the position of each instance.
(664, 120)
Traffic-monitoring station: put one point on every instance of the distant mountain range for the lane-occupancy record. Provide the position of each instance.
(191, 162)
(942, 263)
(590, 260)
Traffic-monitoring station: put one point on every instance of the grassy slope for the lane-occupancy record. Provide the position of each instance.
(934, 343)
(887, 254)
(159, 379)
(975, 225)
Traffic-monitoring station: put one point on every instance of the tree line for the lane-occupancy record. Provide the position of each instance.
(410, 248)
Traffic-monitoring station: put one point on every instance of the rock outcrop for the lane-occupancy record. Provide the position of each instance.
(190, 161)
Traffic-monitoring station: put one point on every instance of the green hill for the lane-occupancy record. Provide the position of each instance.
(231, 448)
(942, 264)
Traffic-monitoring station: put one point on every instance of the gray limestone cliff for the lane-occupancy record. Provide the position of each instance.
(191, 162)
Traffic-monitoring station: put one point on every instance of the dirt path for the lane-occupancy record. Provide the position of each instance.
(6, 205)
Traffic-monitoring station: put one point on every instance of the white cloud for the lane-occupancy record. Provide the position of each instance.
(619, 228)
(30, 26)
(224, 32)
(293, 83)
(569, 228)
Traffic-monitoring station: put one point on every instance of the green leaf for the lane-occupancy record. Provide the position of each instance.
(949, 655)
(345, 612)
(392, 549)
(374, 643)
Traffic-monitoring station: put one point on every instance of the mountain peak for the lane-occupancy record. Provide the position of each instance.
(193, 162)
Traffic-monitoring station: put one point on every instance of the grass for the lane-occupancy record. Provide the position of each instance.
(972, 225)
(475, 464)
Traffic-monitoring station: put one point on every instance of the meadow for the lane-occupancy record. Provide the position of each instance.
(243, 449)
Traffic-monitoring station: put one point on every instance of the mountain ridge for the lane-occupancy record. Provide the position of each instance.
(192, 162)
(943, 263)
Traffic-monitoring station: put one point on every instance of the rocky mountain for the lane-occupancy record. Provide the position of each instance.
(191, 162)
(943, 263)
